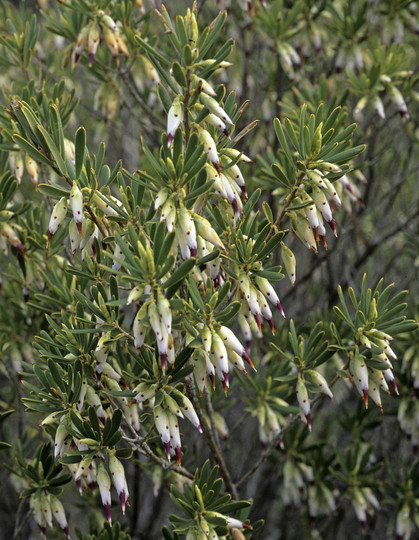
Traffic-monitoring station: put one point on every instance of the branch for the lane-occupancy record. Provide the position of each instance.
(214, 448)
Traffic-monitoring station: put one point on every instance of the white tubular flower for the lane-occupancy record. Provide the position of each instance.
(205, 85)
(231, 341)
(231, 197)
(168, 214)
(104, 484)
(135, 294)
(45, 507)
(59, 514)
(246, 330)
(103, 205)
(267, 290)
(93, 399)
(35, 505)
(187, 225)
(174, 119)
(328, 167)
(81, 44)
(318, 379)
(331, 191)
(74, 236)
(316, 177)
(143, 392)
(374, 394)
(303, 401)
(214, 107)
(272, 421)
(111, 41)
(302, 229)
(213, 120)
(200, 369)
(139, 331)
(210, 147)
(214, 268)
(16, 165)
(377, 377)
(404, 523)
(161, 421)
(398, 100)
(76, 204)
(378, 106)
(219, 358)
(190, 413)
(60, 436)
(311, 214)
(360, 373)
(58, 215)
(175, 438)
(161, 198)
(93, 41)
(205, 231)
(12, 238)
(165, 311)
(265, 310)
(388, 374)
(33, 169)
(254, 305)
(323, 206)
(236, 360)
(119, 481)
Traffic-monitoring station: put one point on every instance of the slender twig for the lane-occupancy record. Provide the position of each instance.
(214, 448)
(22, 518)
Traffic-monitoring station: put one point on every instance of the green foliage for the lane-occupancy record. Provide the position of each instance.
(143, 264)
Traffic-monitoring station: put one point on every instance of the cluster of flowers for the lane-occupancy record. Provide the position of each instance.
(44, 506)
(157, 314)
(318, 194)
(103, 27)
(19, 161)
(193, 232)
(221, 350)
(363, 502)
(269, 419)
(253, 292)
(367, 379)
(317, 383)
(222, 169)
(8, 235)
(300, 484)
(396, 97)
(86, 473)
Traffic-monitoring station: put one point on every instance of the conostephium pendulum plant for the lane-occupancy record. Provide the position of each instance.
(176, 258)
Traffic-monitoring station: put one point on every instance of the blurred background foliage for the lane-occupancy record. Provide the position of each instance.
(362, 56)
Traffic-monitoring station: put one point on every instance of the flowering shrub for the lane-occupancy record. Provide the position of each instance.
(202, 290)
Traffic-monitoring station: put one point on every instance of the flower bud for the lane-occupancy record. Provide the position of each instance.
(104, 485)
(303, 401)
(93, 41)
(119, 481)
(33, 169)
(76, 204)
(174, 118)
(59, 514)
(59, 213)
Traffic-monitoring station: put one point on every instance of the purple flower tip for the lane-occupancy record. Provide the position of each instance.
(108, 512)
(123, 501)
